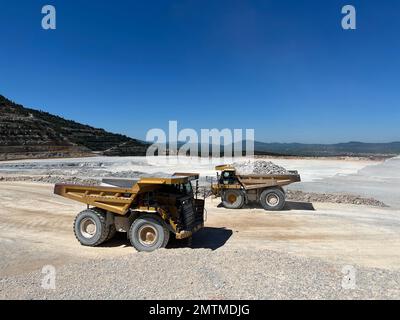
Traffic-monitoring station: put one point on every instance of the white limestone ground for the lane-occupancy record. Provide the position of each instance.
(322, 179)
(247, 253)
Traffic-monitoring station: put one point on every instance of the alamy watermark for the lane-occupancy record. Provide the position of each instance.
(49, 18)
(49, 277)
(348, 22)
(349, 277)
(208, 143)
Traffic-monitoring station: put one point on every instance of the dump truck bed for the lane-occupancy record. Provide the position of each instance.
(119, 182)
(118, 196)
(253, 181)
(114, 199)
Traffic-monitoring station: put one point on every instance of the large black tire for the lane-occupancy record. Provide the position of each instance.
(272, 199)
(148, 233)
(233, 199)
(111, 232)
(90, 227)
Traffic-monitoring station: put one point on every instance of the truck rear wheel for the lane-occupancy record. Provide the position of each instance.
(148, 233)
(233, 199)
(90, 227)
(272, 199)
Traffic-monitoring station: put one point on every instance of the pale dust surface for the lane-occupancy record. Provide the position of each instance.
(309, 169)
(36, 229)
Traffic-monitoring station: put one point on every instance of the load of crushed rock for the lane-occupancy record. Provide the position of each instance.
(261, 167)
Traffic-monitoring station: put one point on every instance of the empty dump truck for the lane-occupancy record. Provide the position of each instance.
(150, 210)
(236, 190)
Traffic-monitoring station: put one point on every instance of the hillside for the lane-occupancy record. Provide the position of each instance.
(29, 133)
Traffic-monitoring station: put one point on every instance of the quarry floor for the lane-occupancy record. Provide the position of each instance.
(36, 230)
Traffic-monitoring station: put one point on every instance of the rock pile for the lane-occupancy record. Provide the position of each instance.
(295, 195)
(261, 167)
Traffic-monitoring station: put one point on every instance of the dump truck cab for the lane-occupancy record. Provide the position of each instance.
(227, 176)
(226, 179)
(151, 210)
(236, 189)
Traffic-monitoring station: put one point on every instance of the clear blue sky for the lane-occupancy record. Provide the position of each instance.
(285, 68)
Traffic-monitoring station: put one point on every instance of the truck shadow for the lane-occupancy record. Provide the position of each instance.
(206, 238)
(119, 240)
(211, 238)
(298, 205)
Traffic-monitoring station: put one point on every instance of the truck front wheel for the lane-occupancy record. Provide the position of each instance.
(148, 233)
(272, 199)
(233, 199)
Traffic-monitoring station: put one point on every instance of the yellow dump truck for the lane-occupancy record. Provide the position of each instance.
(236, 189)
(150, 210)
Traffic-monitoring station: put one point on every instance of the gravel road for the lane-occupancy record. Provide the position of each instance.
(248, 253)
(205, 274)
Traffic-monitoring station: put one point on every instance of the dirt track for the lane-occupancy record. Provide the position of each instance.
(36, 229)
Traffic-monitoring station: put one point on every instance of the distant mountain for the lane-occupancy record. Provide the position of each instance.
(28, 133)
(350, 149)
(327, 150)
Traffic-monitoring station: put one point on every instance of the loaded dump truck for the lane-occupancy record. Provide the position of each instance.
(237, 189)
(150, 210)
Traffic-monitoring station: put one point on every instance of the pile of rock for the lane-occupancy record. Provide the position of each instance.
(295, 195)
(261, 167)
